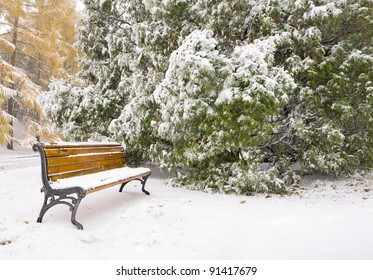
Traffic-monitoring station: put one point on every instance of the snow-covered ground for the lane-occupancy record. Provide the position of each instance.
(327, 219)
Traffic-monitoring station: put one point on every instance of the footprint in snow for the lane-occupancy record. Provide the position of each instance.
(89, 240)
(155, 211)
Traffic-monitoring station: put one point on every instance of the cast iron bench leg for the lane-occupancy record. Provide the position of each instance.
(143, 182)
(45, 206)
(50, 200)
(73, 214)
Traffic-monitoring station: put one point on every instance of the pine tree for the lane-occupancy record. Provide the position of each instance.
(325, 125)
(103, 100)
(228, 95)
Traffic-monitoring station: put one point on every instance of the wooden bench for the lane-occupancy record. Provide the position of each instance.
(70, 171)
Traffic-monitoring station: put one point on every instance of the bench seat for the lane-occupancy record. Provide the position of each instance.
(100, 180)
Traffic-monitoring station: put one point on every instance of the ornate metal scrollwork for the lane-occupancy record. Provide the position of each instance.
(54, 197)
(51, 200)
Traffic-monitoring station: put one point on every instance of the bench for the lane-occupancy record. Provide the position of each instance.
(70, 171)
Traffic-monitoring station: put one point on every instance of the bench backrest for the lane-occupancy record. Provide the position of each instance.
(69, 160)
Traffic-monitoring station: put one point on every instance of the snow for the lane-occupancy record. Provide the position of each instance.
(94, 180)
(322, 11)
(326, 219)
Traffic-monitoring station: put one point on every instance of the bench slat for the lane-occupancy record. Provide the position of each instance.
(58, 152)
(116, 183)
(56, 161)
(83, 172)
(77, 145)
(54, 170)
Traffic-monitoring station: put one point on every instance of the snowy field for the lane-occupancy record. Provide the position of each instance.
(327, 219)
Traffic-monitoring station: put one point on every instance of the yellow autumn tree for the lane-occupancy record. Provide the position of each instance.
(36, 43)
(52, 52)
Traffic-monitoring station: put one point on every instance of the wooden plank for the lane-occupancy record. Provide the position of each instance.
(58, 152)
(55, 161)
(99, 188)
(79, 145)
(83, 172)
(53, 170)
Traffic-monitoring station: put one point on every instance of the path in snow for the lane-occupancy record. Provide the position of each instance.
(17, 159)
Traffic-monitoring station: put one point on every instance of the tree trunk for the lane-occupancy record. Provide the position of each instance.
(10, 112)
(10, 106)
(37, 136)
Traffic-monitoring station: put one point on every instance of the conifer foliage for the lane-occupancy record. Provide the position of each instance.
(36, 38)
(238, 96)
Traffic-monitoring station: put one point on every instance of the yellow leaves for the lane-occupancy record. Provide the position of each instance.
(15, 8)
(50, 35)
(34, 38)
(17, 80)
(44, 32)
(15, 85)
(35, 128)
(7, 46)
(6, 93)
(5, 126)
(36, 43)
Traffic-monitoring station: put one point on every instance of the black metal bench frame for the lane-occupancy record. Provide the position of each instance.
(66, 196)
